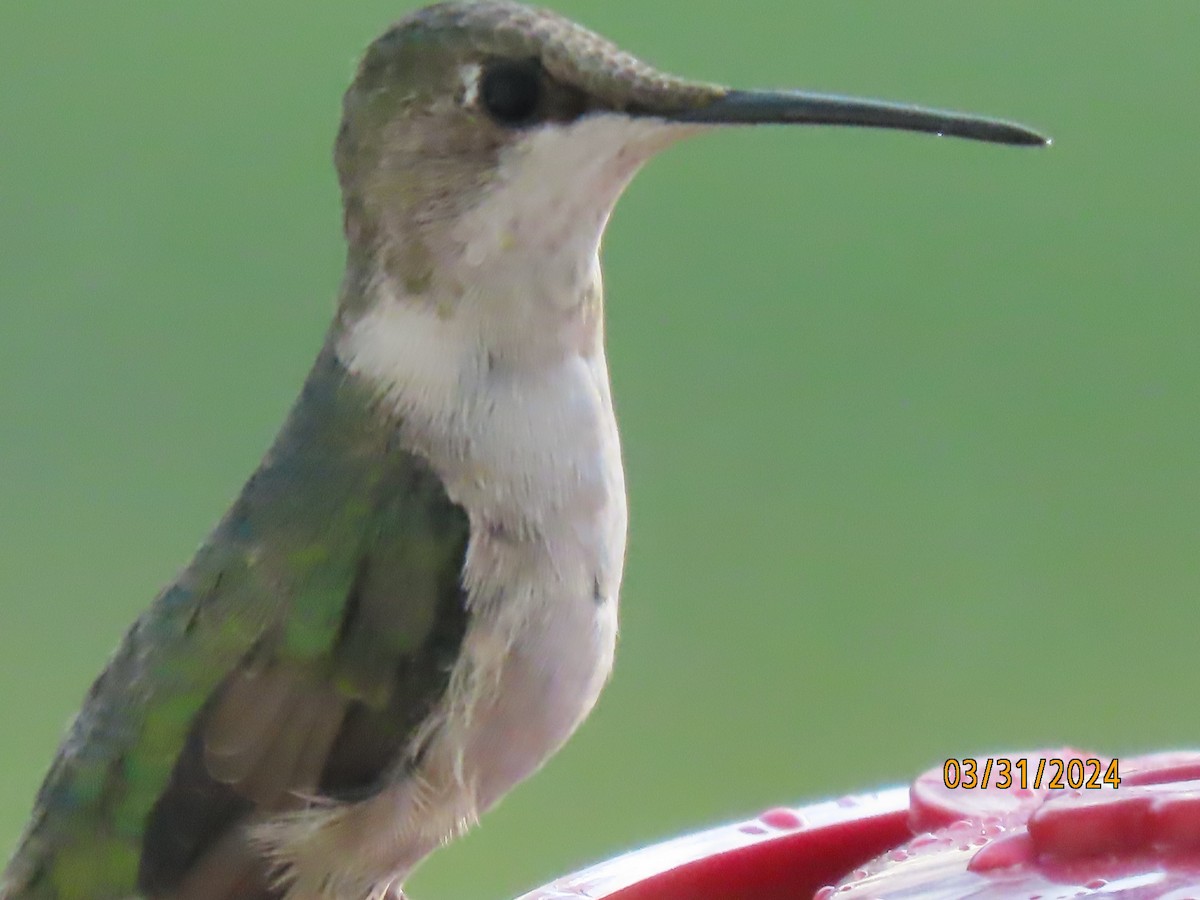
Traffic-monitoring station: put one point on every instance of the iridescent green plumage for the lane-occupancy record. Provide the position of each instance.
(336, 571)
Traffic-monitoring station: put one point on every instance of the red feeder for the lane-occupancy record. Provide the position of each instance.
(1044, 825)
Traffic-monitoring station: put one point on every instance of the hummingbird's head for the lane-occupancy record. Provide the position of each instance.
(483, 145)
(488, 136)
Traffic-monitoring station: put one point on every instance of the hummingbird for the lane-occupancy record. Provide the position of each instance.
(412, 603)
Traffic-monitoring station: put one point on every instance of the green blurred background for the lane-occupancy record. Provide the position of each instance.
(912, 426)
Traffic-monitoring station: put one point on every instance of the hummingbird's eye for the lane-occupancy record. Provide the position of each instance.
(511, 90)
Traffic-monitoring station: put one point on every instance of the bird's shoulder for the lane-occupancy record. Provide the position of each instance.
(294, 657)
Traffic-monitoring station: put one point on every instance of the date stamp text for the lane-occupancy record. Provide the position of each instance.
(1053, 774)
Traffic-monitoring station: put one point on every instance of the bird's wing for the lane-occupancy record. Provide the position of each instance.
(295, 657)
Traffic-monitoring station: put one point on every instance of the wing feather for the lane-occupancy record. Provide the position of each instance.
(294, 657)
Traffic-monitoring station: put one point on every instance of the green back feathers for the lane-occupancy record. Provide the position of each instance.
(298, 651)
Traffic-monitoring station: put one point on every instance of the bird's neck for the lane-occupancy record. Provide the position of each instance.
(515, 270)
(469, 331)
(519, 311)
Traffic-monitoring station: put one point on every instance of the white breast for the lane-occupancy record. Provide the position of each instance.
(532, 454)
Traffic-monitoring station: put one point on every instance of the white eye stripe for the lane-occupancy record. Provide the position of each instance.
(470, 75)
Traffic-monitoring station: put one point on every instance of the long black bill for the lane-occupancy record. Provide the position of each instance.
(800, 108)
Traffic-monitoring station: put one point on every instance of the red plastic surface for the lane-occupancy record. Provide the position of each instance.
(1136, 840)
(781, 855)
